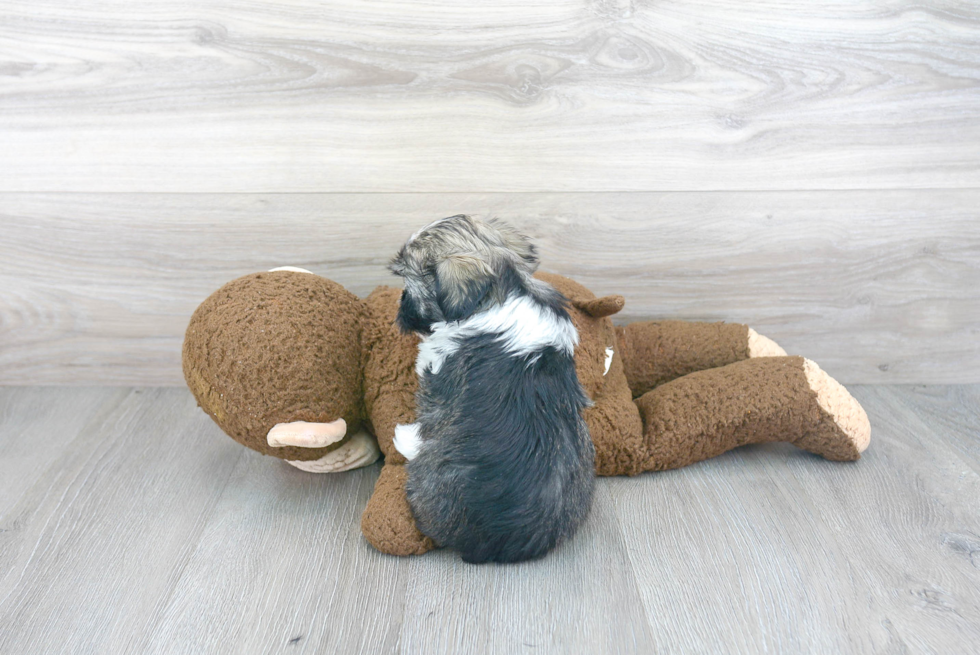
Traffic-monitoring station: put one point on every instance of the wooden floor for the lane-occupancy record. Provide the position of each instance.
(129, 523)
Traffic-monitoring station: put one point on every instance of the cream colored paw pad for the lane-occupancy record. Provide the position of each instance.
(834, 399)
(760, 346)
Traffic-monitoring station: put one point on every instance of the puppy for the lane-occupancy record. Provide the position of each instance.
(501, 465)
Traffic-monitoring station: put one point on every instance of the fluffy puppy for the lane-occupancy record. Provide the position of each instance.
(501, 466)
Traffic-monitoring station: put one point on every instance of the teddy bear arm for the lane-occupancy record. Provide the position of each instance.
(756, 400)
(361, 449)
(391, 409)
(389, 370)
(656, 352)
(615, 426)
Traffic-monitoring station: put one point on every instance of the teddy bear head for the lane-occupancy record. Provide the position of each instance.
(277, 347)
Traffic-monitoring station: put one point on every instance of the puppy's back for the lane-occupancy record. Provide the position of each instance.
(508, 467)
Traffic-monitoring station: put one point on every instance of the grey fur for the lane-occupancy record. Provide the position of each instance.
(451, 259)
(506, 470)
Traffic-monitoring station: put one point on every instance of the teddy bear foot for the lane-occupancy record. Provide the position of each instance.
(843, 431)
(762, 346)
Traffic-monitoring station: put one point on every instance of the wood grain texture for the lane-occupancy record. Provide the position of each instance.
(38, 426)
(953, 409)
(875, 286)
(150, 531)
(91, 550)
(304, 580)
(770, 549)
(583, 598)
(603, 95)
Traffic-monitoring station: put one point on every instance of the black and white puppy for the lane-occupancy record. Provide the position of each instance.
(501, 465)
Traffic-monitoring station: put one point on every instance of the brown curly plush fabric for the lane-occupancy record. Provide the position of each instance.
(240, 373)
(600, 307)
(279, 347)
(613, 419)
(660, 351)
(389, 372)
(761, 400)
(387, 522)
(616, 427)
(593, 333)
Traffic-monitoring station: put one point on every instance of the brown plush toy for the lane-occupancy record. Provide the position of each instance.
(291, 364)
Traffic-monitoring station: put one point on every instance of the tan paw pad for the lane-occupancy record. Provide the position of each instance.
(834, 399)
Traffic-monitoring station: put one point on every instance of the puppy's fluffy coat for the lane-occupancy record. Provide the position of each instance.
(501, 466)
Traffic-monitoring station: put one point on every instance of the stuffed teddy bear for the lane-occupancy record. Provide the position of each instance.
(293, 365)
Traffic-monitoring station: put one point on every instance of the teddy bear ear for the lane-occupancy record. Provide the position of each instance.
(600, 307)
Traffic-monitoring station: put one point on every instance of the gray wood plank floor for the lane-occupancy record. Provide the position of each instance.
(129, 523)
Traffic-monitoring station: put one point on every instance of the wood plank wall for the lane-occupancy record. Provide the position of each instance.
(811, 169)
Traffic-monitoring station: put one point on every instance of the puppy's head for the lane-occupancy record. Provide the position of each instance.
(457, 266)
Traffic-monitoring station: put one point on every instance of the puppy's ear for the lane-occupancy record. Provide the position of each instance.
(397, 263)
(526, 254)
(462, 281)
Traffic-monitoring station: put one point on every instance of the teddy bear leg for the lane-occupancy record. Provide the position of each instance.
(840, 413)
(387, 522)
(757, 400)
(656, 352)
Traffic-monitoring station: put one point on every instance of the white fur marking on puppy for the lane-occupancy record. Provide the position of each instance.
(407, 440)
(436, 347)
(525, 327)
(609, 356)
